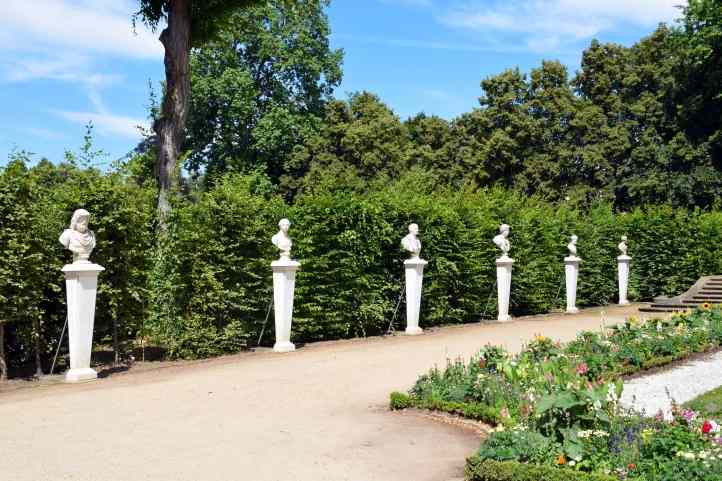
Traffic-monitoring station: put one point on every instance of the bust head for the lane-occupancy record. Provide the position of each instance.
(414, 229)
(78, 238)
(624, 238)
(573, 240)
(79, 221)
(284, 224)
(504, 230)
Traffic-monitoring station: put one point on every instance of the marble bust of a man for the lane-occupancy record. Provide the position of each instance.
(282, 240)
(623, 245)
(78, 239)
(572, 246)
(411, 242)
(502, 240)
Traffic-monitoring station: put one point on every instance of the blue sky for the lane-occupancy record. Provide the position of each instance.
(66, 62)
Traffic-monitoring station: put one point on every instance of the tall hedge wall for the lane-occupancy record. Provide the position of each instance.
(206, 289)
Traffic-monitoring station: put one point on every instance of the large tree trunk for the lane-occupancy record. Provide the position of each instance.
(170, 126)
(3, 361)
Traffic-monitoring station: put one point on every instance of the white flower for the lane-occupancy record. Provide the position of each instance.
(572, 462)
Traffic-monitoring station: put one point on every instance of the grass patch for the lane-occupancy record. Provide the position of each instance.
(708, 404)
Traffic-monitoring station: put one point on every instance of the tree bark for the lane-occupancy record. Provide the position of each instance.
(38, 360)
(170, 125)
(3, 361)
(116, 346)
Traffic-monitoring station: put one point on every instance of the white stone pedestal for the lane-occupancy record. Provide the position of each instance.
(81, 282)
(414, 268)
(623, 263)
(284, 282)
(503, 283)
(571, 271)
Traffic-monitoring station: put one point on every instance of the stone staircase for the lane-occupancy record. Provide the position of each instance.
(706, 289)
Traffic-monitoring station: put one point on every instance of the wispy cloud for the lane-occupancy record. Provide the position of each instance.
(106, 123)
(98, 26)
(488, 45)
(65, 41)
(542, 26)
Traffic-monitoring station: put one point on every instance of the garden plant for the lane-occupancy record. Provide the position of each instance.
(555, 407)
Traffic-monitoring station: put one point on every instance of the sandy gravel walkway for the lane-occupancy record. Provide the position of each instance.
(318, 414)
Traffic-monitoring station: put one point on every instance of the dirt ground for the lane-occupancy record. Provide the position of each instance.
(316, 414)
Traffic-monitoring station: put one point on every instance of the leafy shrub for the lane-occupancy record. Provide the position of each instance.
(478, 469)
(399, 400)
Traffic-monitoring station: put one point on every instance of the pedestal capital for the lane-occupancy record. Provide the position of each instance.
(504, 261)
(572, 260)
(285, 265)
(624, 258)
(82, 267)
(415, 261)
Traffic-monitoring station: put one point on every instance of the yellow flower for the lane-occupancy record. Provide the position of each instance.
(539, 338)
(647, 435)
(706, 305)
(561, 460)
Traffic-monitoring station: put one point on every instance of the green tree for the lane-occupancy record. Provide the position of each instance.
(190, 23)
(699, 98)
(260, 88)
(360, 139)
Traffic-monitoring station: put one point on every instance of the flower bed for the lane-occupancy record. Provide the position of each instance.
(557, 405)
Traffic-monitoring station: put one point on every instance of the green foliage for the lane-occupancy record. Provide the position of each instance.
(519, 445)
(37, 204)
(556, 405)
(399, 400)
(208, 16)
(260, 87)
(478, 469)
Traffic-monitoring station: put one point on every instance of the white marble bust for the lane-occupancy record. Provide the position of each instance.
(411, 242)
(623, 245)
(572, 246)
(282, 240)
(78, 239)
(502, 240)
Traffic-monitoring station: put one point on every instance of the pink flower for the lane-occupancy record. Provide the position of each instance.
(659, 416)
(504, 413)
(689, 415)
(582, 368)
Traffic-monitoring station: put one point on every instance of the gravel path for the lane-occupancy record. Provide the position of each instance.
(317, 414)
(656, 391)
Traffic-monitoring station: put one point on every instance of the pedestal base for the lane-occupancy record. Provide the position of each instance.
(503, 284)
(284, 282)
(81, 375)
(414, 273)
(571, 272)
(284, 347)
(624, 303)
(413, 331)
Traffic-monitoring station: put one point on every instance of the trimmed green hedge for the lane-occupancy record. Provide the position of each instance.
(206, 290)
(488, 470)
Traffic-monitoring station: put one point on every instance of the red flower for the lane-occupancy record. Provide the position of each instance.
(582, 368)
(707, 427)
(482, 363)
(631, 466)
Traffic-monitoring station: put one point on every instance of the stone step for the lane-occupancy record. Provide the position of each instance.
(712, 287)
(703, 297)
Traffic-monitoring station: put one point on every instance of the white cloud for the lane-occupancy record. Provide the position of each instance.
(107, 124)
(64, 41)
(544, 25)
(98, 26)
